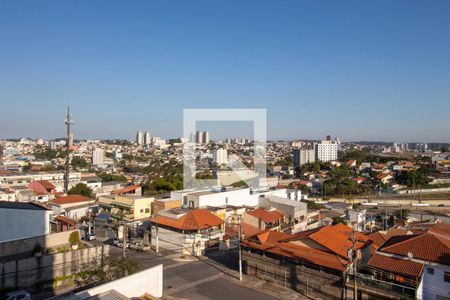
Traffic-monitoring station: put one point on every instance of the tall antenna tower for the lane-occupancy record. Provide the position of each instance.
(68, 122)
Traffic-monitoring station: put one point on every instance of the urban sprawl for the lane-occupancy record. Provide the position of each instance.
(329, 220)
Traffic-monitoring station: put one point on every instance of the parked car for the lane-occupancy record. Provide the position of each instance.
(18, 295)
(90, 237)
(139, 246)
(117, 243)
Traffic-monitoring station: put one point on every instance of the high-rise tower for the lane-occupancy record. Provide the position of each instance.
(68, 123)
(147, 138)
(139, 138)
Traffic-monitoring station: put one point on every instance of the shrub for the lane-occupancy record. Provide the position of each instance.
(74, 238)
(37, 248)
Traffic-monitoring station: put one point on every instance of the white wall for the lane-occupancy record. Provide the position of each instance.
(149, 281)
(434, 284)
(23, 223)
(236, 197)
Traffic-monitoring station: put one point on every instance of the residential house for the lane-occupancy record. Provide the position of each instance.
(128, 190)
(7, 195)
(63, 223)
(385, 178)
(294, 212)
(421, 261)
(188, 231)
(320, 254)
(72, 206)
(127, 207)
(165, 204)
(20, 220)
(42, 186)
(264, 219)
(356, 218)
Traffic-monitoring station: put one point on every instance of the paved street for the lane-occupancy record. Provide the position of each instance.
(212, 277)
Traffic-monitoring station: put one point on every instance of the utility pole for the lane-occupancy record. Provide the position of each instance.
(68, 122)
(239, 219)
(354, 258)
(157, 236)
(240, 250)
(125, 234)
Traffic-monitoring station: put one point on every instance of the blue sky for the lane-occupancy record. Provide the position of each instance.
(360, 70)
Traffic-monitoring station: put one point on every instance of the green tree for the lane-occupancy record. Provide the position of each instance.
(81, 189)
(112, 268)
(78, 163)
(240, 184)
(402, 214)
(107, 177)
(337, 220)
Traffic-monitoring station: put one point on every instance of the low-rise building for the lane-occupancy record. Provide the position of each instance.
(19, 220)
(165, 204)
(186, 231)
(127, 207)
(420, 261)
(294, 212)
(72, 206)
(264, 219)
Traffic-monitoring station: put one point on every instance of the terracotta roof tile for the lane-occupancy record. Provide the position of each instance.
(70, 199)
(377, 238)
(440, 229)
(265, 215)
(395, 265)
(46, 184)
(125, 190)
(337, 239)
(66, 220)
(427, 246)
(273, 242)
(193, 220)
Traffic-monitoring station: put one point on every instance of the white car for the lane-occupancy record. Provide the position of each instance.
(18, 295)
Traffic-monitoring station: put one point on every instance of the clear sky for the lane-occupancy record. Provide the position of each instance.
(360, 70)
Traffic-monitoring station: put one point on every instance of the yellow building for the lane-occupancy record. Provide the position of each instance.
(128, 207)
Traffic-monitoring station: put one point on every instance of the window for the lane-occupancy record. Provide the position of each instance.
(142, 210)
(147, 210)
(430, 271)
(447, 276)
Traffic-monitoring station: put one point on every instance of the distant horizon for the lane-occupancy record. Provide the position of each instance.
(216, 140)
(355, 69)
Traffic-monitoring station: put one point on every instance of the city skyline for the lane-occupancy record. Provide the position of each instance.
(359, 71)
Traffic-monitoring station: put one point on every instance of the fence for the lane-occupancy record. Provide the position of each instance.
(12, 248)
(312, 282)
(52, 269)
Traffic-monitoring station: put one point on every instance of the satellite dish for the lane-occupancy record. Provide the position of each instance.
(410, 255)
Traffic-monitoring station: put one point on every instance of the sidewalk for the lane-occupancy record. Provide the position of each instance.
(257, 284)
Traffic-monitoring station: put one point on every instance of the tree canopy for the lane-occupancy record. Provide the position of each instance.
(81, 189)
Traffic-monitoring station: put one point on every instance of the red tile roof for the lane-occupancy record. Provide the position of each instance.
(46, 184)
(337, 239)
(427, 246)
(125, 190)
(278, 243)
(66, 220)
(193, 220)
(396, 265)
(265, 215)
(396, 232)
(377, 238)
(440, 229)
(70, 199)
(247, 231)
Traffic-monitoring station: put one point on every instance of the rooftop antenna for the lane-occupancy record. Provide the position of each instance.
(68, 122)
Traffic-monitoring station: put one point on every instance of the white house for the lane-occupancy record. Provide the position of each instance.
(20, 220)
(424, 258)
